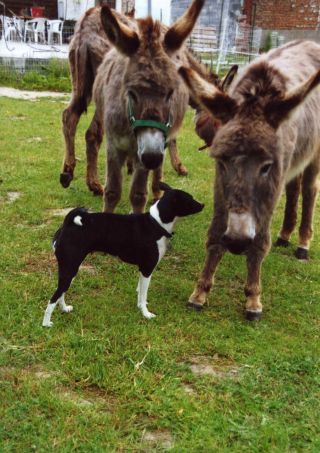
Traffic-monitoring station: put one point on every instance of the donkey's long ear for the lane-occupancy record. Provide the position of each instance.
(124, 39)
(278, 110)
(182, 28)
(222, 106)
(228, 78)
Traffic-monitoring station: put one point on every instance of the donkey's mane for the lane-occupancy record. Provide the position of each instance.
(149, 31)
(261, 84)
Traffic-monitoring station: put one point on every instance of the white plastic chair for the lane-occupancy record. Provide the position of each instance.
(55, 28)
(36, 28)
(8, 28)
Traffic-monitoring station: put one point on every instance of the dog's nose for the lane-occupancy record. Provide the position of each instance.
(236, 246)
(152, 160)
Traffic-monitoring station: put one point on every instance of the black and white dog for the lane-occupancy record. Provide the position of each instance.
(139, 239)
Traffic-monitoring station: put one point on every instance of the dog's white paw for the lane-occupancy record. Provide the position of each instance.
(148, 314)
(47, 324)
(67, 308)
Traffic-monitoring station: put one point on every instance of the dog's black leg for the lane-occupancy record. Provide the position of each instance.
(65, 279)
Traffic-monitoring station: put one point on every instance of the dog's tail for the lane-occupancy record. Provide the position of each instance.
(74, 217)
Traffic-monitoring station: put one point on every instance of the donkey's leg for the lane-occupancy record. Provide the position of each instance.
(175, 158)
(252, 290)
(290, 213)
(130, 165)
(156, 179)
(70, 119)
(309, 195)
(113, 188)
(215, 252)
(94, 137)
(139, 189)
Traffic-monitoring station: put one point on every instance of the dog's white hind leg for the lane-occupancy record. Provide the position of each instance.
(47, 314)
(143, 286)
(63, 307)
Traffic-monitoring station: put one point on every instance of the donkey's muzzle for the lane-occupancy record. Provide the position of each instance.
(152, 160)
(237, 246)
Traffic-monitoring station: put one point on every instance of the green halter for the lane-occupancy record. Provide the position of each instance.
(164, 127)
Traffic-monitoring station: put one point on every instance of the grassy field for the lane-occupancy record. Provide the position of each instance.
(103, 379)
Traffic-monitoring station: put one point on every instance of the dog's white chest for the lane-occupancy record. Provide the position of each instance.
(162, 246)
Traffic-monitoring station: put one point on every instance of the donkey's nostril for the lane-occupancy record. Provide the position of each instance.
(152, 160)
(236, 246)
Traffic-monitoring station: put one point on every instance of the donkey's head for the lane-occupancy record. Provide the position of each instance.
(150, 80)
(248, 148)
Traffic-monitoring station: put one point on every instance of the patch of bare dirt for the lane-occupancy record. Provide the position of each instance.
(162, 439)
(215, 366)
(59, 212)
(40, 262)
(29, 95)
(189, 389)
(34, 140)
(10, 197)
(88, 269)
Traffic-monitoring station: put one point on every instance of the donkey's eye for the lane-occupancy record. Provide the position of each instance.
(133, 95)
(169, 95)
(265, 169)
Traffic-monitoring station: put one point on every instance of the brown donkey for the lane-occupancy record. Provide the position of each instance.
(270, 136)
(86, 52)
(140, 99)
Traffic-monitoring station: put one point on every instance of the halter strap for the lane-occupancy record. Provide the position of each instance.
(164, 127)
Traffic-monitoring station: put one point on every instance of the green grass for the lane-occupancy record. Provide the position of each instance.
(79, 386)
(53, 74)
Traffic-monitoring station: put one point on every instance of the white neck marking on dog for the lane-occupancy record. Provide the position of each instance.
(154, 212)
(78, 220)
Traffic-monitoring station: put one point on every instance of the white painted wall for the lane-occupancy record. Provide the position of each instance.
(160, 10)
(73, 9)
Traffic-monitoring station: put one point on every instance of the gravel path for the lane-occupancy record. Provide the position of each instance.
(21, 94)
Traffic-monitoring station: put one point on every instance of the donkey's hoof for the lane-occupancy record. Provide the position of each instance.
(182, 170)
(302, 254)
(253, 315)
(65, 179)
(281, 243)
(194, 306)
(96, 189)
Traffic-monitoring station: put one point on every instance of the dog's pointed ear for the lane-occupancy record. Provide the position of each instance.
(219, 104)
(122, 37)
(163, 186)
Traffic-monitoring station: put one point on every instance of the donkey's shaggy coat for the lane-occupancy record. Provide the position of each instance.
(270, 139)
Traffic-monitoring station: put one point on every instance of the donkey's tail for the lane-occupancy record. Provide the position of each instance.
(83, 75)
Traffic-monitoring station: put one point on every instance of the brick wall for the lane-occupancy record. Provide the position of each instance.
(287, 14)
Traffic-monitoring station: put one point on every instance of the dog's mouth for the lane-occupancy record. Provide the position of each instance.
(198, 208)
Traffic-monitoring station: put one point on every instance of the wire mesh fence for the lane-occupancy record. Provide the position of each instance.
(41, 46)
